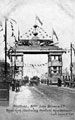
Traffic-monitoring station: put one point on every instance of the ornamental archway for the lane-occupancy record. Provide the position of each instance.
(33, 44)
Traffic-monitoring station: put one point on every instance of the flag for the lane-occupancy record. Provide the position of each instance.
(1, 28)
(12, 34)
(37, 18)
(18, 34)
(54, 33)
(74, 50)
(13, 20)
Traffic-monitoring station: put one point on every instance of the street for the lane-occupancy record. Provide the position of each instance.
(40, 102)
(60, 95)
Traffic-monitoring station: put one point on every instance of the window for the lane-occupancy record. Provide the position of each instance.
(56, 57)
(52, 58)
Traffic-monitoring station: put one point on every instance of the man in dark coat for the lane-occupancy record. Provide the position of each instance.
(59, 82)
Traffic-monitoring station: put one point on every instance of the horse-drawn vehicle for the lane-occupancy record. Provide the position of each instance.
(34, 80)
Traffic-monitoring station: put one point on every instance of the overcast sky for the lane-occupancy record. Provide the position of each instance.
(57, 14)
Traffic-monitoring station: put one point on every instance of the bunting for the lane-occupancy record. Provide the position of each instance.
(67, 50)
(13, 34)
(13, 20)
(35, 65)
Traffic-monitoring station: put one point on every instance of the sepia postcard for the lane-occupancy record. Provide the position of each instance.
(37, 60)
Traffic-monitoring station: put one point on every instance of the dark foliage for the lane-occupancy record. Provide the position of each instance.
(3, 76)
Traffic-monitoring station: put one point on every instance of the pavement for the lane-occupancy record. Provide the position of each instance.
(67, 89)
(64, 88)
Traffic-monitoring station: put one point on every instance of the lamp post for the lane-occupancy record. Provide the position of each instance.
(5, 37)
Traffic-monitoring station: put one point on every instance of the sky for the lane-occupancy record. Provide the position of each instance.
(35, 64)
(56, 14)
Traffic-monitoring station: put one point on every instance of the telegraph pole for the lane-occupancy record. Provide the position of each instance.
(5, 46)
(70, 64)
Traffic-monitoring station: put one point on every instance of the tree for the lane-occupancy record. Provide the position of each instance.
(2, 72)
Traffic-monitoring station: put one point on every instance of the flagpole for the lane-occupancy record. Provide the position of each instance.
(52, 33)
(5, 47)
(70, 65)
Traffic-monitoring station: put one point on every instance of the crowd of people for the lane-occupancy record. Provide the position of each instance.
(16, 84)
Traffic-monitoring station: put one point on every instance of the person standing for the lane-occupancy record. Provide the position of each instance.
(59, 82)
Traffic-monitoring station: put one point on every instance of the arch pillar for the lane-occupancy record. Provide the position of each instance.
(17, 64)
(54, 64)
